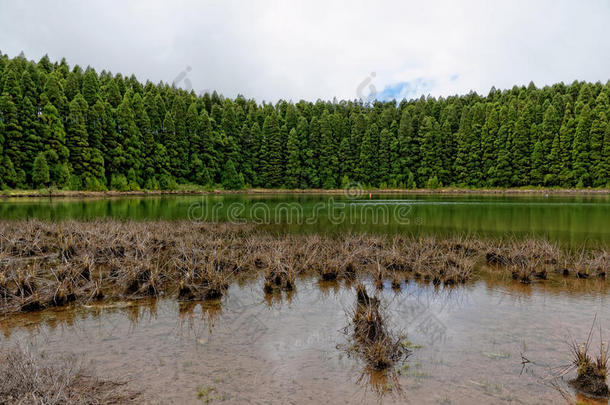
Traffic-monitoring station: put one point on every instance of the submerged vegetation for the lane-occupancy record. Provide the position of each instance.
(48, 264)
(73, 128)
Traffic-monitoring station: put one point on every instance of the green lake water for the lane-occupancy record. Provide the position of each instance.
(568, 219)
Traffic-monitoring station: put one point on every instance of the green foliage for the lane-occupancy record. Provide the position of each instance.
(93, 184)
(119, 182)
(63, 126)
(40, 173)
(231, 180)
(75, 182)
(293, 163)
(60, 175)
(167, 182)
(76, 138)
(432, 183)
(271, 165)
(8, 176)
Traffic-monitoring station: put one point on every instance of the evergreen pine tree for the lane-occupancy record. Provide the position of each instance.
(520, 152)
(169, 141)
(327, 162)
(368, 162)
(554, 163)
(54, 93)
(537, 159)
(430, 153)
(31, 144)
(257, 155)
(203, 144)
(596, 139)
(13, 132)
(40, 171)
(293, 164)
(91, 87)
(566, 136)
(192, 132)
(77, 139)
(581, 149)
(179, 156)
(550, 129)
(272, 173)
(8, 176)
(309, 177)
(53, 134)
(409, 147)
(460, 165)
(231, 180)
(383, 155)
(489, 134)
(603, 168)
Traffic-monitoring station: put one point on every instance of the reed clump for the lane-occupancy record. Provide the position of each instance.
(279, 274)
(206, 278)
(370, 336)
(591, 372)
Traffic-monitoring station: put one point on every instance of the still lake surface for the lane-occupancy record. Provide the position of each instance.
(567, 219)
(286, 349)
(253, 348)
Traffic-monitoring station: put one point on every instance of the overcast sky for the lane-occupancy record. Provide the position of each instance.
(321, 49)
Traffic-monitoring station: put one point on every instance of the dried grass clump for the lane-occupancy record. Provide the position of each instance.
(207, 281)
(591, 264)
(279, 274)
(370, 337)
(45, 264)
(458, 267)
(26, 378)
(591, 373)
(3, 285)
(531, 259)
(600, 263)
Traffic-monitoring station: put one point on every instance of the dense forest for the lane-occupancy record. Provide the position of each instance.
(76, 129)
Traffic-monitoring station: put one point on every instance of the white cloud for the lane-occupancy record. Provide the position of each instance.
(320, 49)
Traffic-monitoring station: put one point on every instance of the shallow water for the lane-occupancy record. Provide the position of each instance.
(568, 219)
(249, 349)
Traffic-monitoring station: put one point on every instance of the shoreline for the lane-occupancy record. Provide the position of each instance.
(352, 192)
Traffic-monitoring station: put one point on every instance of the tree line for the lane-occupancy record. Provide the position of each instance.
(76, 129)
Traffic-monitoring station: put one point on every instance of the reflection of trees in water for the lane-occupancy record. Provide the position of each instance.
(571, 221)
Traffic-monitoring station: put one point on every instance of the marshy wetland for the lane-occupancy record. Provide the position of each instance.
(165, 305)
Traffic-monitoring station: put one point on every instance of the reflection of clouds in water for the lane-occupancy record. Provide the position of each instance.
(296, 357)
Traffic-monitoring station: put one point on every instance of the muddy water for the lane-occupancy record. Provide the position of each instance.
(248, 349)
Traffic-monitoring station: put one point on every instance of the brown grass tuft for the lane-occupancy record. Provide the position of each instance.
(26, 378)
